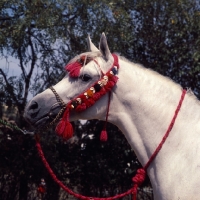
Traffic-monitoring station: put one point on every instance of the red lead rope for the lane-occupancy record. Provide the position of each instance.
(138, 179)
(167, 132)
(65, 188)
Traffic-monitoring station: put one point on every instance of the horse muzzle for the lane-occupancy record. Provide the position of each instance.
(39, 114)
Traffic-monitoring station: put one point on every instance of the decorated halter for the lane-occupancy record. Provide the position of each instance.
(88, 98)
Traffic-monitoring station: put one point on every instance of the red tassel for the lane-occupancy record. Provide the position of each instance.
(60, 128)
(64, 128)
(104, 136)
(68, 132)
(74, 69)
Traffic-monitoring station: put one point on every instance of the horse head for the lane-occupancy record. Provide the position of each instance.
(89, 76)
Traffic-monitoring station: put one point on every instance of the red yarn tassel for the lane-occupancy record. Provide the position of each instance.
(64, 128)
(68, 132)
(74, 69)
(104, 135)
(60, 128)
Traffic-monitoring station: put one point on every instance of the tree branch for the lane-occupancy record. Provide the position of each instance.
(33, 62)
(21, 62)
(9, 86)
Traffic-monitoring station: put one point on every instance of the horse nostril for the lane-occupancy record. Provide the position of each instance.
(33, 106)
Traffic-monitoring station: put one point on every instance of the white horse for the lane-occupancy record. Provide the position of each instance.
(142, 105)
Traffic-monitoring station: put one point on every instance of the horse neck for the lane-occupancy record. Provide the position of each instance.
(144, 106)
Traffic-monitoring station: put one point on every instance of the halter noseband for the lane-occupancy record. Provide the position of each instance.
(87, 98)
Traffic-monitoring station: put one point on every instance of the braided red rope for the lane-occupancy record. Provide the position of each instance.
(167, 132)
(65, 188)
(104, 134)
(141, 173)
(138, 179)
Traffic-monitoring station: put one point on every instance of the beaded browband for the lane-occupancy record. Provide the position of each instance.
(87, 98)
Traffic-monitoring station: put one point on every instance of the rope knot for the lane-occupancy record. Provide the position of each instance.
(139, 177)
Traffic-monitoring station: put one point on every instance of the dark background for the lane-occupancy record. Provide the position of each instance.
(42, 35)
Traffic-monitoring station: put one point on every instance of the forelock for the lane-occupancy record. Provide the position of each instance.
(90, 55)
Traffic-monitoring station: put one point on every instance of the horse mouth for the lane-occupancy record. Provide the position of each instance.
(46, 119)
(41, 122)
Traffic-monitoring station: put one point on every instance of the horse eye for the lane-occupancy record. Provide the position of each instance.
(85, 77)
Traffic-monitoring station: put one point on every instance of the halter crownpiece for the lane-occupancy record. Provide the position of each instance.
(89, 97)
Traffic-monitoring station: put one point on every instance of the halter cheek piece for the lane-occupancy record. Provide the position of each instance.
(58, 98)
(87, 98)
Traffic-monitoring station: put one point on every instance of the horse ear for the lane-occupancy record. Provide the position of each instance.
(103, 46)
(91, 46)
